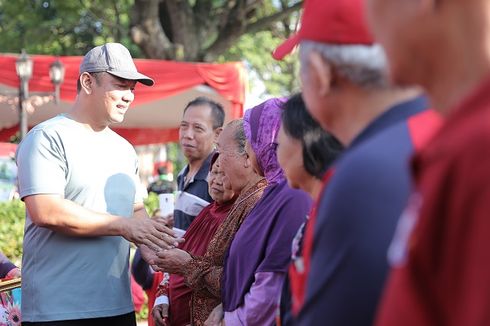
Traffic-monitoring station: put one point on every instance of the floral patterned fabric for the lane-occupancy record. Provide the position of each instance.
(10, 308)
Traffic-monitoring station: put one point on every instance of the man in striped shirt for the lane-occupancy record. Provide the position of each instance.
(201, 124)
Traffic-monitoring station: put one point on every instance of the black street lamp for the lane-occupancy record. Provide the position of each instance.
(23, 66)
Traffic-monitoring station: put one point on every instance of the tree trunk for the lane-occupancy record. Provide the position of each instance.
(147, 32)
(175, 30)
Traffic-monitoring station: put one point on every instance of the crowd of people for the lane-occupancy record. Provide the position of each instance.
(360, 201)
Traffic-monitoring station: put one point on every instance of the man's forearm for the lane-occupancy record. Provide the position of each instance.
(67, 217)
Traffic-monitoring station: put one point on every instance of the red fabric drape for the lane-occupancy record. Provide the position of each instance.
(7, 149)
(141, 136)
(170, 77)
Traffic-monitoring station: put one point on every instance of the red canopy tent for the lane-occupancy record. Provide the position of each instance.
(7, 149)
(155, 114)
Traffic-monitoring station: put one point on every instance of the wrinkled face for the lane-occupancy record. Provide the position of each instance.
(290, 157)
(398, 25)
(219, 190)
(113, 95)
(196, 133)
(231, 161)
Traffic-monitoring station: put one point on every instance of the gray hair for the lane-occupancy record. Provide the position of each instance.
(239, 134)
(363, 65)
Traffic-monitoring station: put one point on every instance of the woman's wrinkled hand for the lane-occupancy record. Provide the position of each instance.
(215, 317)
(160, 315)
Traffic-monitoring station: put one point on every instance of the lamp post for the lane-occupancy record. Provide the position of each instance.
(57, 75)
(23, 66)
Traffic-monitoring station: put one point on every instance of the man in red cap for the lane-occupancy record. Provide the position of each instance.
(441, 269)
(344, 86)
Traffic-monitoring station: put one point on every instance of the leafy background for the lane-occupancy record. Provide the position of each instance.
(12, 229)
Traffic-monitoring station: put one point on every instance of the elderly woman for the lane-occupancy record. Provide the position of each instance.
(305, 152)
(203, 273)
(176, 308)
(259, 255)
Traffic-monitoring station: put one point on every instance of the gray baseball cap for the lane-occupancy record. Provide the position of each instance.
(115, 59)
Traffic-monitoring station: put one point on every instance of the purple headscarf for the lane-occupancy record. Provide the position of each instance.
(261, 125)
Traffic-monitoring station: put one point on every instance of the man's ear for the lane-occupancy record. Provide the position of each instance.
(217, 131)
(86, 82)
(320, 73)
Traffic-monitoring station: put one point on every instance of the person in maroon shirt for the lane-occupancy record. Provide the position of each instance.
(344, 84)
(440, 256)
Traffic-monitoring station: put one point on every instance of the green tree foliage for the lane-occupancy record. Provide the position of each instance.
(278, 76)
(256, 48)
(72, 27)
(151, 203)
(12, 216)
(63, 27)
(176, 157)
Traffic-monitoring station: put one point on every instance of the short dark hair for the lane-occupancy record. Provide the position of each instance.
(217, 111)
(320, 148)
(97, 76)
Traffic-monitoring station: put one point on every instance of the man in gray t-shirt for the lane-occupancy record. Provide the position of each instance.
(79, 181)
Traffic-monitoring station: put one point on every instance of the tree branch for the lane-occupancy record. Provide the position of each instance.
(118, 21)
(265, 22)
(147, 32)
(235, 27)
(204, 26)
(183, 28)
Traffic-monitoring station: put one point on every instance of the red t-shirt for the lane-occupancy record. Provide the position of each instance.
(151, 293)
(441, 274)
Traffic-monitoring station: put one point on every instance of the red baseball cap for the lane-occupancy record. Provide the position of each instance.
(329, 21)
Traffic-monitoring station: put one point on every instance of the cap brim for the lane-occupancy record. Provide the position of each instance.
(133, 75)
(286, 47)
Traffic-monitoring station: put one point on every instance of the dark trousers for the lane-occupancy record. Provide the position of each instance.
(121, 320)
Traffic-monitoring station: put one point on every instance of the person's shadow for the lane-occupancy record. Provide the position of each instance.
(119, 193)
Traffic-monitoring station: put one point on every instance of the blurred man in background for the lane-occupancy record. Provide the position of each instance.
(201, 124)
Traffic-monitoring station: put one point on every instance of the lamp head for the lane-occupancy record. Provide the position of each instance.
(23, 66)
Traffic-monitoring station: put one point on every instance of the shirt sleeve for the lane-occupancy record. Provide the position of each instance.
(5, 265)
(260, 302)
(41, 165)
